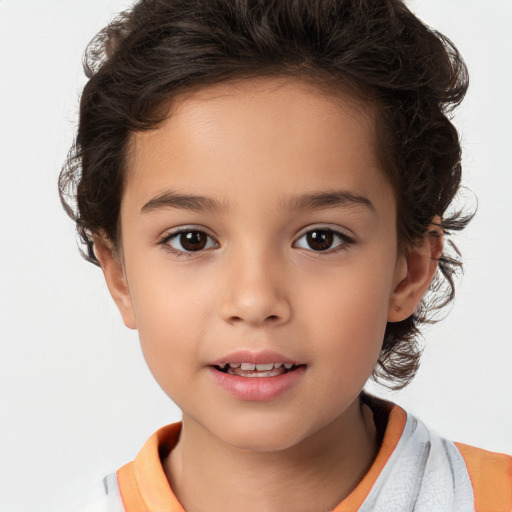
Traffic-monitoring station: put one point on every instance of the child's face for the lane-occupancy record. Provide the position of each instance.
(287, 253)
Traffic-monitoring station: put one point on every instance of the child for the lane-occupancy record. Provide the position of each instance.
(265, 186)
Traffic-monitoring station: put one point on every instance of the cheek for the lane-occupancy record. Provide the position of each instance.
(171, 320)
(351, 315)
(354, 329)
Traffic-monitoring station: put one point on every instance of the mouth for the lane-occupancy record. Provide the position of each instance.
(256, 370)
(256, 376)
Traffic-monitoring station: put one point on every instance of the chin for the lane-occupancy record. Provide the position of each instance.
(262, 444)
(263, 434)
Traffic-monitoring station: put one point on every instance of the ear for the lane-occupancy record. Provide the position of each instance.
(414, 273)
(116, 279)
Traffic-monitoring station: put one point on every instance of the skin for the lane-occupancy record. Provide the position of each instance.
(252, 148)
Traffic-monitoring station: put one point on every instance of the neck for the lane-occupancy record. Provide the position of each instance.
(209, 476)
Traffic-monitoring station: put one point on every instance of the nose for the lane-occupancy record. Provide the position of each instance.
(255, 291)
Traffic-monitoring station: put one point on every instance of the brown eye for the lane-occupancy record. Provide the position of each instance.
(320, 240)
(191, 241)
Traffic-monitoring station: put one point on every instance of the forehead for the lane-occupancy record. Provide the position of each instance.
(260, 133)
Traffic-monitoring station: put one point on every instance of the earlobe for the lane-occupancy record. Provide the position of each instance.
(116, 279)
(415, 272)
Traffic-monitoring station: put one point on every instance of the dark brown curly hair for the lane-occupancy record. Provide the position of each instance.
(412, 75)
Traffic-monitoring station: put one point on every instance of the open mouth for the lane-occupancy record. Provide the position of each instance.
(256, 370)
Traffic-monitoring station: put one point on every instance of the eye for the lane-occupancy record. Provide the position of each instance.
(322, 240)
(189, 240)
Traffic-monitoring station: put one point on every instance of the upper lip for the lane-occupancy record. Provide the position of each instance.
(248, 356)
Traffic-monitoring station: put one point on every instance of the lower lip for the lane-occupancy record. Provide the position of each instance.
(257, 389)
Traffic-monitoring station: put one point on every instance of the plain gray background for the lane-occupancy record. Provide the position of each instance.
(76, 400)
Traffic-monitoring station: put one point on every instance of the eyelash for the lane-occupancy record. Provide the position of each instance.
(345, 241)
(165, 241)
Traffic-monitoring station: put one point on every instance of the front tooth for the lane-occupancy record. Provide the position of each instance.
(248, 366)
(278, 365)
(288, 365)
(234, 365)
(264, 367)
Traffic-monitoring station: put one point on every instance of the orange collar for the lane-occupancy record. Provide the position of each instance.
(144, 486)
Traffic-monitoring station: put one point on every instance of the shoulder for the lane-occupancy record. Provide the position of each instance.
(419, 466)
(483, 476)
(491, 477)
(105, 497)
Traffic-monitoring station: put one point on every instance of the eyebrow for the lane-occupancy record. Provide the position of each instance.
(329, 199)
(313, 201)
(191, 202)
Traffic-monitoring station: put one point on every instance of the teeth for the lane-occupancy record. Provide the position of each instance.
(264, 367)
